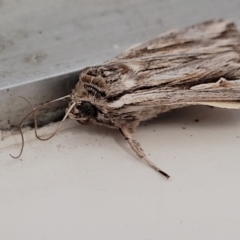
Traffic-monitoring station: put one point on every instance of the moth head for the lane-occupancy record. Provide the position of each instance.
(83, 112)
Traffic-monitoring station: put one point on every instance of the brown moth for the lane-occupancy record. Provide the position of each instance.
(199, 65)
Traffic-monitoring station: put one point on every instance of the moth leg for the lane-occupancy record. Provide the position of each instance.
(136, 147)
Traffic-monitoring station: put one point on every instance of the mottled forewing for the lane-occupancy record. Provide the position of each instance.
(198, 63)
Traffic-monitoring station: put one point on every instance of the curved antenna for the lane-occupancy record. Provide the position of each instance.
(29, 114)
(59, 125)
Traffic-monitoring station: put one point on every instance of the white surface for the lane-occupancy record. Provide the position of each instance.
(86, 183)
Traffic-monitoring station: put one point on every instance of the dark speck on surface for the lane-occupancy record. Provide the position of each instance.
(196, 120)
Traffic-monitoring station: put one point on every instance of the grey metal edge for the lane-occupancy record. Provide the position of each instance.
(13, 108)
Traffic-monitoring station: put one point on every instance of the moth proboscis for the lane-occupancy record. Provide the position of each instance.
(199, 65)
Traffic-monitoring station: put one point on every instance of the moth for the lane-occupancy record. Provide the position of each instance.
(199, 65)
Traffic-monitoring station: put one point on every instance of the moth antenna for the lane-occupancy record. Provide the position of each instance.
(29, 114)
(59, 125)
(136, 147)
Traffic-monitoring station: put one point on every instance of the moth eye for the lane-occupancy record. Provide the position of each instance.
(87, 109)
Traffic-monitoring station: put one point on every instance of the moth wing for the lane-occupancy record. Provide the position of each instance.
(231, 89)
(222, 93)
(229, 105)
(196, 65)
(176, 41)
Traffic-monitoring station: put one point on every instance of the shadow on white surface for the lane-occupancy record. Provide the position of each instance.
(86, 183)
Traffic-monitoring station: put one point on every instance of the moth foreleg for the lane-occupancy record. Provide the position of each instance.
(136, 147)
